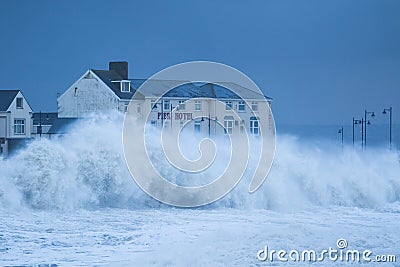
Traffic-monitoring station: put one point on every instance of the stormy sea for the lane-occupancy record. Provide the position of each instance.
(71, 201)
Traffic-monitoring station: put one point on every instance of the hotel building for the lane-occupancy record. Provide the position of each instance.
(202, 106)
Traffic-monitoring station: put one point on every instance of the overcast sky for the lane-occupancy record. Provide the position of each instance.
(321, 61)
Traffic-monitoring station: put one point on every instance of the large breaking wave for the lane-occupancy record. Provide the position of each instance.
(86, 169)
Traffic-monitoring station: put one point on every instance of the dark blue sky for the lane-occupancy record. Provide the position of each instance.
(321, 61)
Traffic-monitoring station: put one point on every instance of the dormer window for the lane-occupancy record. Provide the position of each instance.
(20, 102)
(125, 86)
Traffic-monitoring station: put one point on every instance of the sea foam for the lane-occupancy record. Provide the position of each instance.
(86, 169)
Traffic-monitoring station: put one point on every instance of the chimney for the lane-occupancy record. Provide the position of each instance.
(120, 67)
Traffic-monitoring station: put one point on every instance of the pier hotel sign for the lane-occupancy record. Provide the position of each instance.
(178, 116)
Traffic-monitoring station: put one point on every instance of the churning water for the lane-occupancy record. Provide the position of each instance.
(86, 169)
(71, 202)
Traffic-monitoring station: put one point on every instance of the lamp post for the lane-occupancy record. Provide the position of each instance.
(209, 125)
(341, 132)
(353, 130)
(215, 125)
(356, 122)
(40, 125)
(172, 108)
(365, 124)
(162, 113)
(390, 125)
(362, 133)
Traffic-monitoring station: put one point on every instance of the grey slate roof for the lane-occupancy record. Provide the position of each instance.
(61, 125)
(46, 118)
(108, 76)
(193, 90)
(187, 90)
(224, 90)
(136, 83)
(6, 98)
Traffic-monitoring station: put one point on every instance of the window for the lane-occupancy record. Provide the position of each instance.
(126, 106)
(153, 123)
(228, 105)
(138, 109)
(20, 102)
(228, 124)
(166, 105)
(254, 106)
(19, 126)
(125, 86)
(197, 105)
(254, 126)
(182, 105)
(241, 106)
(197, 126)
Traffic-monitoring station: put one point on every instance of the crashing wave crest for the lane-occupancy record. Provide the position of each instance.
(86, 169)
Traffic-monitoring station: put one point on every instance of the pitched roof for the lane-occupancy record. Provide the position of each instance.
(228, 90)
(190, 90)
(223, 90)
(109, 77)
(6, 98)
(61, 125)
(187, 90)
(158, 87)
(45, 118)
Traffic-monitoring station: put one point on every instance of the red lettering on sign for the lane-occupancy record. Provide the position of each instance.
(178, 116)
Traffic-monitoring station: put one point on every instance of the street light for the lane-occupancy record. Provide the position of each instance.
(365, 124)
(172, 108)
(40, 125)
(215, 125)
(162, 111)
(209, 124)
(390, 125)
(341, 132)
(356, 122)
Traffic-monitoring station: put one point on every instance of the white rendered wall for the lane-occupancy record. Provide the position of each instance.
(87, 95)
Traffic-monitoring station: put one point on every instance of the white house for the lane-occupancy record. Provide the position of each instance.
(15, 119)
(103, 90)
(97, 91)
